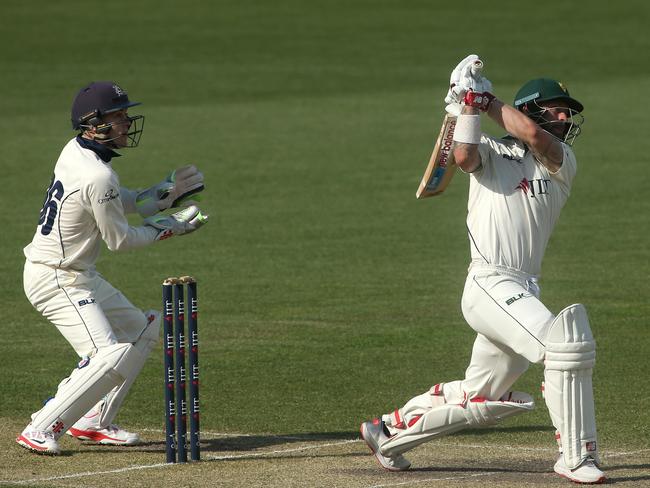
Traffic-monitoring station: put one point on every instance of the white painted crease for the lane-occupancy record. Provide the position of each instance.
(166, 465)
(261, 454)
(87, 473)
(207, 435)
(620, 454)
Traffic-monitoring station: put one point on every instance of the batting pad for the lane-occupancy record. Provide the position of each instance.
(93, 379)
(104, 412)
(450, 418)
(569, 361)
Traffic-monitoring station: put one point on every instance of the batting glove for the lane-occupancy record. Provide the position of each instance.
(182, 222)
(479, 100)
(456, 92)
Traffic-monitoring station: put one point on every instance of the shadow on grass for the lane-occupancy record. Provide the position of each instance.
(627, 479)
(253, 442)
(248, 443)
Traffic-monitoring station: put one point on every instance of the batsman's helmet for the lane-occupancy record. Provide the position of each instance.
(539, 90)
(98, 99)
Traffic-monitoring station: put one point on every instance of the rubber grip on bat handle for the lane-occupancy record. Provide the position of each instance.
(477, 67)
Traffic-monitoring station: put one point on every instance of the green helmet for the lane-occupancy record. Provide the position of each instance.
(539, 90)
(544, 90)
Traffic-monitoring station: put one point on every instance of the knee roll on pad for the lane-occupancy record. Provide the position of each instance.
(87, 384)
(570, 345)
(450, 418)
(569, 361)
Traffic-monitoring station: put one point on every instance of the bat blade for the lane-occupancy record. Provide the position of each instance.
(441, 167)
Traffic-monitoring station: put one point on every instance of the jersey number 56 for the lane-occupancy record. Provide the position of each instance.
(50, 206)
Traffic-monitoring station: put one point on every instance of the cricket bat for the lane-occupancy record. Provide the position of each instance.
(441, 166)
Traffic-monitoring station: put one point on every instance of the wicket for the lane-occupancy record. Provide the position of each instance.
(173, 291)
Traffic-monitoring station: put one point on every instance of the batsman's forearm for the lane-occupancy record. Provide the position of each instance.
(467, 156)
(512, 121)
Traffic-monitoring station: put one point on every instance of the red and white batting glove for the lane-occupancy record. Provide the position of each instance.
(478, 100)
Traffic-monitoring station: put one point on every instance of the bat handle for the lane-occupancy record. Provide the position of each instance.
(477, 67)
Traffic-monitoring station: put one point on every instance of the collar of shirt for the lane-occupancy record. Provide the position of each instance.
(104, 152)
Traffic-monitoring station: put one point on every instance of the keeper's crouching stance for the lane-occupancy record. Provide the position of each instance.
(85, 206)
(518, 186)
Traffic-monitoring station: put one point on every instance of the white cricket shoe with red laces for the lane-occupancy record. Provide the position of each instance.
(586, 473)
(38, 441)
(111, 435)
(373, 433)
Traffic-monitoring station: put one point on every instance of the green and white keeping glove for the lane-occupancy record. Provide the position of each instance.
(182, 222)
(175, 191)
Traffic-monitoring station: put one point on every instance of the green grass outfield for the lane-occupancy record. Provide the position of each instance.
(328, 293)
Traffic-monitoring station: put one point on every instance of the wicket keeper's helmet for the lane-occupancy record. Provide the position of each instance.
(98, 99)
(545, 90)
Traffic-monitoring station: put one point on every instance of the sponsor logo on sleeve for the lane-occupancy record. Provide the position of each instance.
(111, 194)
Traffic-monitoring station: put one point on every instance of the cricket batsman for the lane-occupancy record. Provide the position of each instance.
(518, 186)
(85, 205)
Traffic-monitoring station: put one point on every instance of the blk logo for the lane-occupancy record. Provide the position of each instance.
(519, 296)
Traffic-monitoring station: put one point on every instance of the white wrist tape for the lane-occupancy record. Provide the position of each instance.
(468, 129)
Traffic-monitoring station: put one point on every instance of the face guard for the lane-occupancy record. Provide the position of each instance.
(546, 91)
(99, 99)
(565, 130)
(102, 130)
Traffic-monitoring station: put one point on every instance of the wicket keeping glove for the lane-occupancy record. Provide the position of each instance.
(175, 191)
(182, 222)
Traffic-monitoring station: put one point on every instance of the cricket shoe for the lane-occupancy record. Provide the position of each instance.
(586, 473)
(373, 433)
(111, 435)
(38, 441)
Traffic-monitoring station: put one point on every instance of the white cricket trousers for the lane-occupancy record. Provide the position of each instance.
(85, 308)
(502, 305)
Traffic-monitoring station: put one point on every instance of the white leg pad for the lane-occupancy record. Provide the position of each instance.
(449, 418)
(569, 361)
(104, 412)
(85, 386)
(414, 409)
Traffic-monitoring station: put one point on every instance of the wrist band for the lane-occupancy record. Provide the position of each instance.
(468, 129)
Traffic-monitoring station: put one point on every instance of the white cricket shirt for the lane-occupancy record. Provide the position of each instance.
(514, 203)
(83, 207)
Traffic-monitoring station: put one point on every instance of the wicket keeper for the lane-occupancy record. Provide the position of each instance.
(84, 205)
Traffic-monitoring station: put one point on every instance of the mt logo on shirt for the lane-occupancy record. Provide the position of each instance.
(534, 187)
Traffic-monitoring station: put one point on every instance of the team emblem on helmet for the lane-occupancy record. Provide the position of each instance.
(118, 91)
